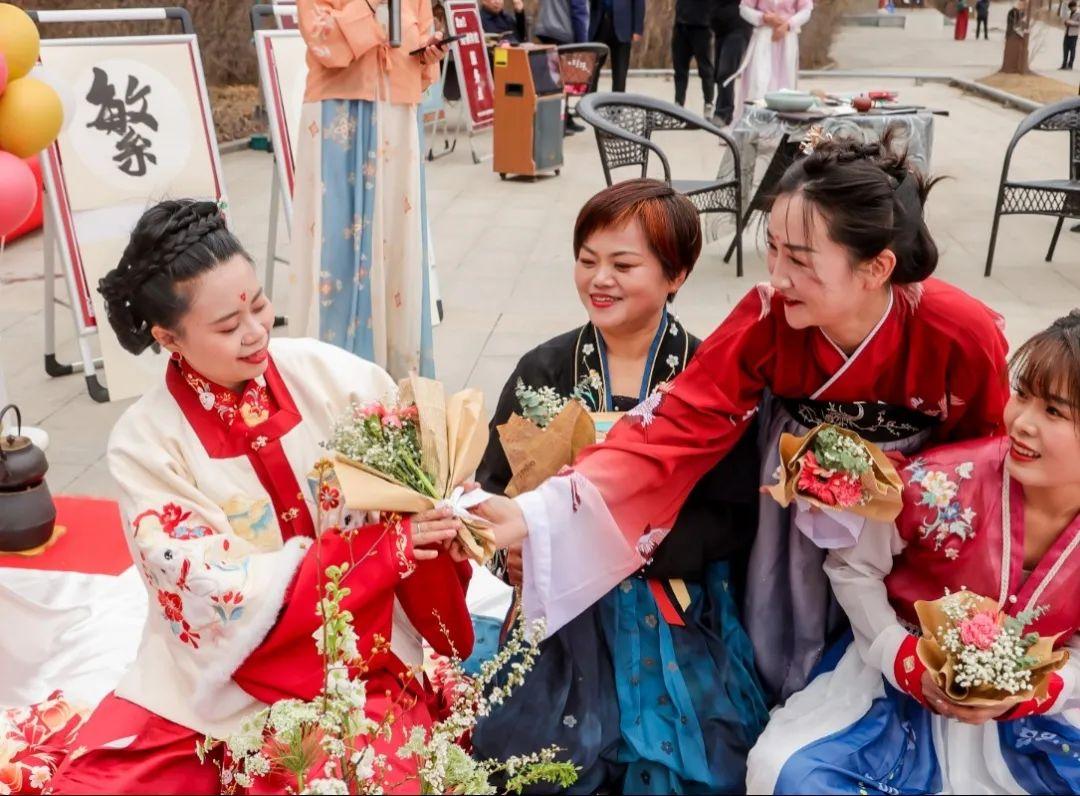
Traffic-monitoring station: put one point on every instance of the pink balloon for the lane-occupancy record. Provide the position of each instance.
(3, 73)
(18, 193)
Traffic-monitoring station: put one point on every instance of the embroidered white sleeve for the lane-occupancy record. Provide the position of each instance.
(213, 595)
(574, 553)
(858, 575)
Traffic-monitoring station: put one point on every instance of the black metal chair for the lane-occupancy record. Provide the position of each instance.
(1059, 198)
(624, 125)
(580, 65)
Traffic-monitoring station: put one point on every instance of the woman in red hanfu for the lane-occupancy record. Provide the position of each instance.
(230, 530)
(850, 330)
(961, 26)
(999, 517)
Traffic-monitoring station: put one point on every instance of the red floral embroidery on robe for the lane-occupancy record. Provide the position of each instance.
(252, 406)
(172, 608)
(170, 517)
(329, 497)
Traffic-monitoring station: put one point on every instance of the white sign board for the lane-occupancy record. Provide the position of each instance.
(141, 132)
(283, 75)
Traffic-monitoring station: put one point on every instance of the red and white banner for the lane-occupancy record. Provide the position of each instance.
(470, 55)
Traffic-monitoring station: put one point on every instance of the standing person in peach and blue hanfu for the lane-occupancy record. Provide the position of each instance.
(360, 276)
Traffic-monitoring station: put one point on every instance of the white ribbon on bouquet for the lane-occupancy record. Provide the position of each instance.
(459, 502)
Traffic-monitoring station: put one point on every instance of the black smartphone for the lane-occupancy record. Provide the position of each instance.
(439, 43)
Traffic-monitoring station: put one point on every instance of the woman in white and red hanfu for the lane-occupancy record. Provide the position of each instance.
(850, 331)
(214, 468)
(998, 517)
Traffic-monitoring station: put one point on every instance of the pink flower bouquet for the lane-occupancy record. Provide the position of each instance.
(980, 656)
(415, 453)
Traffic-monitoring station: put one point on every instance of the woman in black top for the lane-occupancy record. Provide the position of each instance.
(653, 689)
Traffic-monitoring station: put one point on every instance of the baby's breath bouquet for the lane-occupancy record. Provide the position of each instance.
(414, 453)
(328, 745)
(540, 405)
(384, 438)
(981, 656)
(545, 436)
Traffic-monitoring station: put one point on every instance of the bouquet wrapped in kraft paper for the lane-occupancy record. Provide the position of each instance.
(536, 452)
(980, 656)
(837, 481)
(416, 454)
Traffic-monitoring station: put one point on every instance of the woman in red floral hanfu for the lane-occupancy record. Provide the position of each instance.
(215, 470)
(851, 330)
(999, 517)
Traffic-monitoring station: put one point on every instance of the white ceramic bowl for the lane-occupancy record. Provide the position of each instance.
(790, 101)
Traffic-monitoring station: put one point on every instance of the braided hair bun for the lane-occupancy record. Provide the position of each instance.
(871, 199)
(172, 243)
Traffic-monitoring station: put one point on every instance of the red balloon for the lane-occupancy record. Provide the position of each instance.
(33, 221)
(18, 193)
(3, 73)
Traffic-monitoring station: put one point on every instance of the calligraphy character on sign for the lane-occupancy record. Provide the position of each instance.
(120, 117)
(132, 154)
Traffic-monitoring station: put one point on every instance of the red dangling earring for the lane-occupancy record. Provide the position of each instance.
(175, 356)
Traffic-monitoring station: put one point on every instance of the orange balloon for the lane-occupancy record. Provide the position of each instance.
(31, 116)
(19, 40)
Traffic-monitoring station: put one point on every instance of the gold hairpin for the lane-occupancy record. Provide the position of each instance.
(813, 139)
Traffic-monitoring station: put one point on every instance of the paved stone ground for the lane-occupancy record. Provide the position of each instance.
(926, 44)
(504, 255)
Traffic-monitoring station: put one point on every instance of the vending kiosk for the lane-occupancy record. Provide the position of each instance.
(528, 110)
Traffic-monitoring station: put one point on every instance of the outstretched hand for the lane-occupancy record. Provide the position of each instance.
(505, 518)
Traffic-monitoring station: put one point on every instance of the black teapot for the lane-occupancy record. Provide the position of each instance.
(27, 513)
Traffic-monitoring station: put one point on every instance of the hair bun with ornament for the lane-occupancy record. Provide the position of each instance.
(173, 242)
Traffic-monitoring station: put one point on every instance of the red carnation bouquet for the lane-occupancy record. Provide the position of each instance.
(833, 468)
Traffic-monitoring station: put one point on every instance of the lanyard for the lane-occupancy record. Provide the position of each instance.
(650, 362)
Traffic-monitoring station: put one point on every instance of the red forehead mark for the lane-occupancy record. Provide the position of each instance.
(243, 296)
